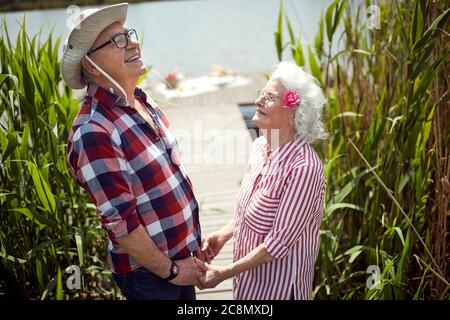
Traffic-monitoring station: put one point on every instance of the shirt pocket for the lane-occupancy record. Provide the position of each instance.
(261, 213)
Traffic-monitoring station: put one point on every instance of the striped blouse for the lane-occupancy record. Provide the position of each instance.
(280, 204)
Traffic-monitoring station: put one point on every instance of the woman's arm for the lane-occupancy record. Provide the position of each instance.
(226, 231)
(295, 212)
(217, 274)
(253, 259)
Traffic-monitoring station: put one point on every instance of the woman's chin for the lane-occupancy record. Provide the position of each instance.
(258, 121)
(261, 125)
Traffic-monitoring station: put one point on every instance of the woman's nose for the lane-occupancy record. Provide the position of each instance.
(259, 101)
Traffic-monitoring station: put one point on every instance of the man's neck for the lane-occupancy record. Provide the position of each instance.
(131, 100)
(129, 90)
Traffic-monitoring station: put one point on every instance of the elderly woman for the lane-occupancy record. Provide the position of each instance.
(280, 204)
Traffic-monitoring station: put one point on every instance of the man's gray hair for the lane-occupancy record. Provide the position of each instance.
(85, 76)
(308, 115)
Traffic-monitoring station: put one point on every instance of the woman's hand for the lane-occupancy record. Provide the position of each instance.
(211, 246)
(202, 255)
(214, 276)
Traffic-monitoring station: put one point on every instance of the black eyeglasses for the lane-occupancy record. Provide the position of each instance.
(120, 40)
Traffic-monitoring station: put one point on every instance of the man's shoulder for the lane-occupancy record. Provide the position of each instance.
(90, 126)
(94, 130)
(93, 118)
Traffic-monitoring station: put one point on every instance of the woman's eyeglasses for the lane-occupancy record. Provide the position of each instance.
(267, 97)
(120, 40)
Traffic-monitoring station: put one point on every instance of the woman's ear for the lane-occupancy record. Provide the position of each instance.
(293, 114)
(292, 118)
(87, 67)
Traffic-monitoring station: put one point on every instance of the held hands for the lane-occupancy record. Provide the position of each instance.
(211, 246)
(212, 275)
(193, 271)
(189, 272)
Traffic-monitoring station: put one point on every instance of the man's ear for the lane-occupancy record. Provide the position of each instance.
(89, 68)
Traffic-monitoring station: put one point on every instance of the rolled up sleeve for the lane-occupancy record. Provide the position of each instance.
(101, 169)
(295, 211)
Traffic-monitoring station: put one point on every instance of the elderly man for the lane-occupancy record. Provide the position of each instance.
(121, 151)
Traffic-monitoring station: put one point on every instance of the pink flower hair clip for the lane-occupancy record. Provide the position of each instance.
(291, 99)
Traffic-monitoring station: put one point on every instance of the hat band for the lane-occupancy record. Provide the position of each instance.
(108, 77)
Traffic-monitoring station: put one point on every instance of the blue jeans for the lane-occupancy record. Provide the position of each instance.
(141, 284)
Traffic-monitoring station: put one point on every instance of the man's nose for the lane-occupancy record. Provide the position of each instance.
(132, 43)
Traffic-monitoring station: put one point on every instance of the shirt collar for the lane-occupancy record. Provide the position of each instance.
(277, 155)
(110, 99)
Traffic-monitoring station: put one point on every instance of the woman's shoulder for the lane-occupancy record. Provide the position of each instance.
(260, 141)
(259, 145)
(306, 159)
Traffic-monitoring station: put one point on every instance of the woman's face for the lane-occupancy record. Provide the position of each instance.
(270, 113)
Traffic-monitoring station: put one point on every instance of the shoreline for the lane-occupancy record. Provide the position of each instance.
(257, 78)
(29, 5)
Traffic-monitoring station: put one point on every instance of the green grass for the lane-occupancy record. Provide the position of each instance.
(388, 148)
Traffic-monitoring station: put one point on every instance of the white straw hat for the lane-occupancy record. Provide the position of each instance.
(81, 38)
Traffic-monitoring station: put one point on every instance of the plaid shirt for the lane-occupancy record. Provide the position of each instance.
(133, 175)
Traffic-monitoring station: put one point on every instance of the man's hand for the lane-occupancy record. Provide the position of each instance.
(189, 272)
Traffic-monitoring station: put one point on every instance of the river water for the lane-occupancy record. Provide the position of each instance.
(190, 36)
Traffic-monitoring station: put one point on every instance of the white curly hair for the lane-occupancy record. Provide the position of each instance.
(308, 115)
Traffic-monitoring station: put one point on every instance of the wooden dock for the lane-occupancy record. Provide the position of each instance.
(214, 144)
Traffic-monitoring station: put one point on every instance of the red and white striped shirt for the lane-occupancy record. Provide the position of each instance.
(280, 204)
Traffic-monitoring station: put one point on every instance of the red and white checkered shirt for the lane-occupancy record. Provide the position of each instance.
(133, 175)
(280, 204)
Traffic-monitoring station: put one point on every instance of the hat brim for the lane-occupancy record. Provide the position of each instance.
(83, 36)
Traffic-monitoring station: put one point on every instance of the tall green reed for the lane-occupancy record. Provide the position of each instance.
(387, 89)
(47, 221)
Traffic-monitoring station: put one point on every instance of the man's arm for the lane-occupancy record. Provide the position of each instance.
(101, 170)
(141, 247)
